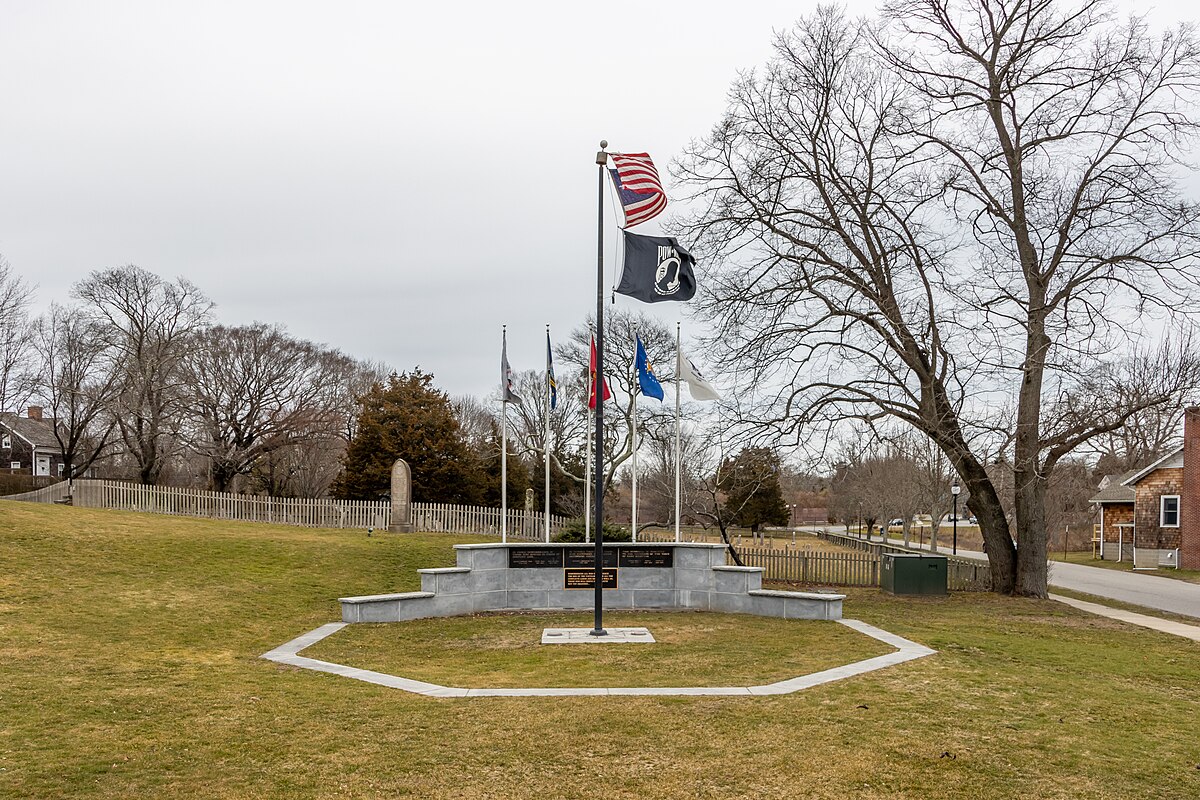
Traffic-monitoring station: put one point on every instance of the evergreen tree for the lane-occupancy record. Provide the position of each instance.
(750, 482)
(409, 418)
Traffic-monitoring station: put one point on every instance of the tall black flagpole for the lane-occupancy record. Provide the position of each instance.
(597, 388)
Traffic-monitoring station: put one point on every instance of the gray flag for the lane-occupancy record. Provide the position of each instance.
(506, 377)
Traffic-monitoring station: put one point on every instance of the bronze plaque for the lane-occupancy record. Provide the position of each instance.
(586, 578)
(647, 556)
(535, 558)
(586, 557)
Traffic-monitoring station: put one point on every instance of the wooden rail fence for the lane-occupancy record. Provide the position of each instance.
(962, 574)
(809, 566)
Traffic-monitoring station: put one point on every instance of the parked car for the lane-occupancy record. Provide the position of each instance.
(896, 523)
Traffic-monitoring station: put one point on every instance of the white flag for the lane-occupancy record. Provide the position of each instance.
(697, 385)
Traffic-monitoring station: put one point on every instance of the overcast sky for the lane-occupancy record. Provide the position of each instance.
(396, 180)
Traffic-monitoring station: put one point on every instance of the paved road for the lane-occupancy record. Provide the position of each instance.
(1149, 591)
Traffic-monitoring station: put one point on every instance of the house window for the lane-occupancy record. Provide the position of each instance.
(14, 465)
(6, 442)
(60, 469)
(1168, 516)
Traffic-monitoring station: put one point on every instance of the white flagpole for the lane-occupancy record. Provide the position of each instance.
(504, 445)
(587, 483)
(633, 513)
(678, 437)
(546, 447)
(634, 443)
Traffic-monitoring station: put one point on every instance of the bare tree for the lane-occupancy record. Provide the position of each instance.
(18, 377)
(256, 390)
(79, 383)
(656, 478)
(148, 323)
(704, 482)
(929, 485)
(570, 421)
(875, 481)
(950, 217)
(1155, 430)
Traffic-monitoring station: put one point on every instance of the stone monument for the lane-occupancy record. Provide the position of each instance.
(401, 498)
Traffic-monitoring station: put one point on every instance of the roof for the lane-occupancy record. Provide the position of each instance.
(1114, 490)
(35, 431)
(1165, 461)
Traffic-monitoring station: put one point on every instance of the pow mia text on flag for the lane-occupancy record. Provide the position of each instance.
(657, 268)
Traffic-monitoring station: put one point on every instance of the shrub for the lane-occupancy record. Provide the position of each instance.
(573, 532)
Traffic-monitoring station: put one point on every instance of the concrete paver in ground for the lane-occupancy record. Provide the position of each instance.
(1154, 623)
(289, 653)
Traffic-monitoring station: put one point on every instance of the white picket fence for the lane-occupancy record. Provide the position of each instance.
(182, 502)
(306, 512)
(47, 494)
(522, 525)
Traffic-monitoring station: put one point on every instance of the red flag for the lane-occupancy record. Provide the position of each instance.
(592, 382)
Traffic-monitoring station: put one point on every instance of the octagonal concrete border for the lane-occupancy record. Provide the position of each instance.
(905, 651)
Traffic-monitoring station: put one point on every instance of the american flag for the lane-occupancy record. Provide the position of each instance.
(638, 186)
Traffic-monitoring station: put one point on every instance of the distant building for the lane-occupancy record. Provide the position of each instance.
(28, 445)
(1155, 509)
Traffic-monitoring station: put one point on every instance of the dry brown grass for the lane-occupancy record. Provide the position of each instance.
(129, 668)
(691, 649)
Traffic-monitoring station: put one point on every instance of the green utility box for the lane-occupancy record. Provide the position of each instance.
(913, 573)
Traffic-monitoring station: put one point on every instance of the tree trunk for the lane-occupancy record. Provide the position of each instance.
(985, 504)
(729, 546)
(223, 474)
(1029, 484)
(1031, 569)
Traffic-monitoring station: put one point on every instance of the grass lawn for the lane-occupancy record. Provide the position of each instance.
(691, 649)
(129, 668)
(1188, 575)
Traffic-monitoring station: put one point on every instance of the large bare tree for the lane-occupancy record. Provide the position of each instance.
(1156, 430)
(255, 391)
(147, 322)
(18, 375)
(954, 216)
(79, 383)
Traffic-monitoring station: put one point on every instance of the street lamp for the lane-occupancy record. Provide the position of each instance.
(954, 490)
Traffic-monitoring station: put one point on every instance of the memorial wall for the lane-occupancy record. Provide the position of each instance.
(495, 577)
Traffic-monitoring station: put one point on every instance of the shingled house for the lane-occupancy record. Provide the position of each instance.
(1152, 515)
(28, 445)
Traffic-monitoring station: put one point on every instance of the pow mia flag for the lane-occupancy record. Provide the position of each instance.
(657, 268)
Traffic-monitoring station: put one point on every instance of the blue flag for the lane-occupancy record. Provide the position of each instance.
(550, 374)
(646, 380)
